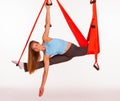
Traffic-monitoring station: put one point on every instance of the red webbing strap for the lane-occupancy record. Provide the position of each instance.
(78, 35)
(31, 31)
(93, 36)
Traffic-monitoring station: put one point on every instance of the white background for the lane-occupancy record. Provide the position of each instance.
(74, 80)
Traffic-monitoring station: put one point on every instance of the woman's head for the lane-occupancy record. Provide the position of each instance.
(34, 55)
(36, 46)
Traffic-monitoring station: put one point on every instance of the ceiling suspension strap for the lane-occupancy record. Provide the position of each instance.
(31, 31)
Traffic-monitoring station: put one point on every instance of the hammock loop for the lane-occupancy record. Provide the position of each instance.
(96, 66)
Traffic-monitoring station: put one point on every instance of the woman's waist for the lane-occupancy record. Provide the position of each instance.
(68, 47)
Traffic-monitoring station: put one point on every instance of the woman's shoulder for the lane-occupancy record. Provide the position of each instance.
(47, 40)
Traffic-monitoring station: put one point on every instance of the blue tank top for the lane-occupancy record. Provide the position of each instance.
(55, 46)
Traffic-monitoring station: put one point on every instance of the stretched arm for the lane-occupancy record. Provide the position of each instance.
(45, 36)
(45, 74)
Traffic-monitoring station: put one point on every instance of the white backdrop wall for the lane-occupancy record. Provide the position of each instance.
(16, 20)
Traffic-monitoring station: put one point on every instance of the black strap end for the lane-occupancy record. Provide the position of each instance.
(50, 25)
(17, 64)
(93, 1)
(96, 67)
(92, 26)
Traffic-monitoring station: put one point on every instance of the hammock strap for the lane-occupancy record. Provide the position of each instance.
(31, 32)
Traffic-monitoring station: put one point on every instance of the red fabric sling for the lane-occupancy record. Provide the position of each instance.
(93, 38)
(93, 35)
(78, 35)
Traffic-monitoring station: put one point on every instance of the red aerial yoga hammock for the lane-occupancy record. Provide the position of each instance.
(93, 39)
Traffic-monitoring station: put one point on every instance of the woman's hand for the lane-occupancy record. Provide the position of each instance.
(48, 4)
(47, 7)
(41, 91)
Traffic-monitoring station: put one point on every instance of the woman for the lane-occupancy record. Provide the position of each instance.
(55, 51)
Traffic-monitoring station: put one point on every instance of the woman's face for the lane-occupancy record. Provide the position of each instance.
(37, 47)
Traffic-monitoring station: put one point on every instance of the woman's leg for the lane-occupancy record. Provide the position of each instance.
(53, 60)
(72, 52)
(76, 51)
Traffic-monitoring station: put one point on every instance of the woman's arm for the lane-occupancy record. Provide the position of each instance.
(45, 36)
(45, 74)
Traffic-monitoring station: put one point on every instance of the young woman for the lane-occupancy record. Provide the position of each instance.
(55, 51)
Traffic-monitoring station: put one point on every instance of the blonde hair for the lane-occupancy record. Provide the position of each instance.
(33, 58)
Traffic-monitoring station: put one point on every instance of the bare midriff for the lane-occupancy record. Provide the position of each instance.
(68, 46)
